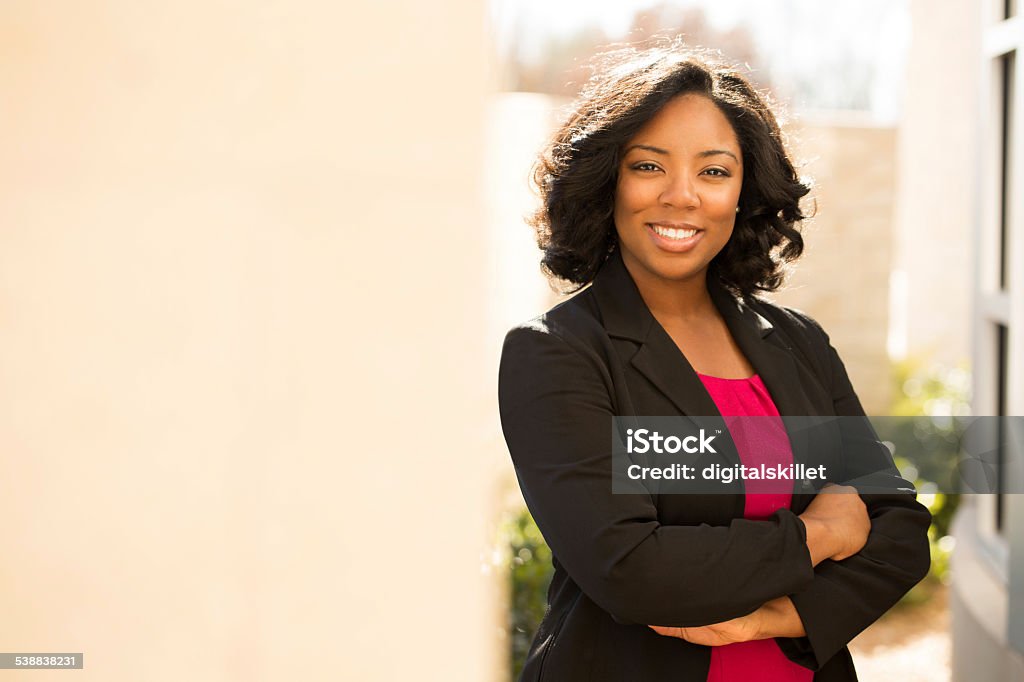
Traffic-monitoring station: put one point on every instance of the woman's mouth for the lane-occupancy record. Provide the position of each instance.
(673, 232)
(674, 239)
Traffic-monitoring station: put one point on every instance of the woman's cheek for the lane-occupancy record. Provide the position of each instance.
(725, 208)
(629, 197)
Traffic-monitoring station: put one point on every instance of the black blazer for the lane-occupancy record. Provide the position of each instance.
(623, 562)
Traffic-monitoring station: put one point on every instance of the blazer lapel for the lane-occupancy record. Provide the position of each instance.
(661, 362)
(658, 359)
(625, 315)
(768, 353)
(774, 361)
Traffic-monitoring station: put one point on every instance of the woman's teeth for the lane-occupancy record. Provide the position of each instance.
(673, 233)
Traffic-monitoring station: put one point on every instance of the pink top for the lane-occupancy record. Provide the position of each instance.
(757, 441)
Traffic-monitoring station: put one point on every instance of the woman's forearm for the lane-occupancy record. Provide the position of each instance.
(776, 618)
(779, 618)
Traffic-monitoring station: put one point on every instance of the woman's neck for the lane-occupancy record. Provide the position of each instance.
(674, 300)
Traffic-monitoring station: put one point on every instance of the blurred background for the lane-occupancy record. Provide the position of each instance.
(257, 261)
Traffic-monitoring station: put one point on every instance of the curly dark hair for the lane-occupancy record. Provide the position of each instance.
(577, 172)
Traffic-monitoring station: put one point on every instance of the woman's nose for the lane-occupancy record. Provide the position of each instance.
(680, 192)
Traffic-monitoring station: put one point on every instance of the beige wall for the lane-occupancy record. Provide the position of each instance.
(242, 268)
(843, 278)
(938, 153)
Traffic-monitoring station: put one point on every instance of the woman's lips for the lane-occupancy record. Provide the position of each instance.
(673, 240)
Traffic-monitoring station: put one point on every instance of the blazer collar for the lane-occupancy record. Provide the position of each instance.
(625, 315)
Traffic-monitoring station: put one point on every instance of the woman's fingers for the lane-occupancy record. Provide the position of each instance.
(669, 632)
(707, 635)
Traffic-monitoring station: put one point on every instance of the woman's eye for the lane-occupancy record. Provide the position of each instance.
(645, 166)
(717, 172)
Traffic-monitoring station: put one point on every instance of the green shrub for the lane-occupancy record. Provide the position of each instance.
(530, 570)
(925, 389)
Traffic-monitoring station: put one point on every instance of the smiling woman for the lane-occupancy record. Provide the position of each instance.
(678, 188)
(609, 139)
(670, 191)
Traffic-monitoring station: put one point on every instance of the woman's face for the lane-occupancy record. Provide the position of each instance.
(678, 187)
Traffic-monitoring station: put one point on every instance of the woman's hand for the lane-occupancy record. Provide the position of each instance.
(777, 618)
(837, 524)
(742, 629)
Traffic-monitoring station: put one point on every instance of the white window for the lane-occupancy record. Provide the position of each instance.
(998, 344)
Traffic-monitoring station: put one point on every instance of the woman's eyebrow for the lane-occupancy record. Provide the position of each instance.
(703, 154)
(714, 152)
(656, 150)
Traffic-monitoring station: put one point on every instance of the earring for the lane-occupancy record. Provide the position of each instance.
(737, 209)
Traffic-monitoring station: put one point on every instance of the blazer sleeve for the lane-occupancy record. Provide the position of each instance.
(847, 596)
(556, 406)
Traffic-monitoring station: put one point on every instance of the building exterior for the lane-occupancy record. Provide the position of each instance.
(987, 597)
(244, 371)
(842, 280)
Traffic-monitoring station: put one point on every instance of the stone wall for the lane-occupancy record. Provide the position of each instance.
(843, 278)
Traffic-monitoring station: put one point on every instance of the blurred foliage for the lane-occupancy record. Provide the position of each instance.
(838, 78)
(942, 394)
(529, 564)
(561, 66)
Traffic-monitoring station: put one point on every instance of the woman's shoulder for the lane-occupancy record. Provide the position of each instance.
(568, 341)
(575, 321)
(792, 320)
(805, 335)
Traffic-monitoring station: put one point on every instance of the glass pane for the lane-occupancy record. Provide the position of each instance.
(1002, 367)
(1008, 67)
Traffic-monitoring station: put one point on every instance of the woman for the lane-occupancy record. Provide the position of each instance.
(669, 190)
